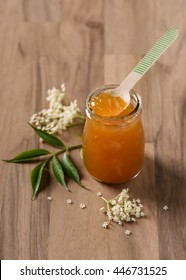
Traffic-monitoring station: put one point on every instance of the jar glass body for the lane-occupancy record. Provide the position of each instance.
(113, 148)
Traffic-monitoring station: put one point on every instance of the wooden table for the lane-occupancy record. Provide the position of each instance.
(86, 44)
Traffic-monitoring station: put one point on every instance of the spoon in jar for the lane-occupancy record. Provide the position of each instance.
(143, 66)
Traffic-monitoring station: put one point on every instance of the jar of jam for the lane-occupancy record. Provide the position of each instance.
(113, 146)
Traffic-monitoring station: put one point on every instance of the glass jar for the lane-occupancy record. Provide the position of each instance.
(113, 147)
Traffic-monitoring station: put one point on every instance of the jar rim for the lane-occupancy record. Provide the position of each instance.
(133, 114)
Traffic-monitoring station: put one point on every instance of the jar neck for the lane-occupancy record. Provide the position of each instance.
(119, 120)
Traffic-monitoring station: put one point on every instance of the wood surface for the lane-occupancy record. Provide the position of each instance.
(86, 44)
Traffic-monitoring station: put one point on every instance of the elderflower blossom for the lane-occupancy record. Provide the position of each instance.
(105, 224)
(82, 205)
(69, 201)
(99, 194)
(121, 209)
(128, 232)
(109, 215)
(58, 116)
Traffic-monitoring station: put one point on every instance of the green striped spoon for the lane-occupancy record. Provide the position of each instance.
(145, 64)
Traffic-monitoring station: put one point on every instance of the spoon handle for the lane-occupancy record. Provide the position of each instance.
(149, 59)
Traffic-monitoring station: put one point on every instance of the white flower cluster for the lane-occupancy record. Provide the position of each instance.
(58, 116)
(121, 209)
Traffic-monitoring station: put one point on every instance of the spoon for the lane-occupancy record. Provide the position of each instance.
(143, 66)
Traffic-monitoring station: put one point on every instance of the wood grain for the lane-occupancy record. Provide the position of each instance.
(87, 44)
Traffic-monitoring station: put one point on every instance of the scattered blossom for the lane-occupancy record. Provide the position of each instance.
(99, 194)
(49, 198)
(58, 116)
(165, 207)
(121, 209)
(82, 205)
(69, 201)
(128, 232)
(105, 224)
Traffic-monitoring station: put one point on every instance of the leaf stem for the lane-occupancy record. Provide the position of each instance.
(75, 147)
(48, 159)
(68, 149)
(60, 151)
(80, 116)
(76, 123)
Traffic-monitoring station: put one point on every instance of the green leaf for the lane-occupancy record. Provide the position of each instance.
(70, 169)
(58, 172)
(50, 139)
(36, 177)
(28, 155)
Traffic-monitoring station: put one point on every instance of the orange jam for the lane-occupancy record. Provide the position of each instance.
(106, 105)
(113, 140)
